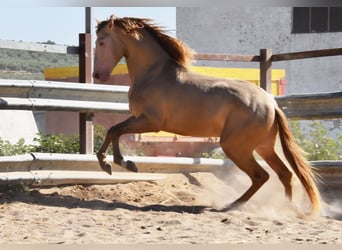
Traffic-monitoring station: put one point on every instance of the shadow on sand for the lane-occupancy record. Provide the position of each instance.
(68, 201)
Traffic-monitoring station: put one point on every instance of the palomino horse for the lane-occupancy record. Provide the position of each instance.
(165, 95)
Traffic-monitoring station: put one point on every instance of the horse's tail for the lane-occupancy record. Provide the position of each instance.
(301, 167)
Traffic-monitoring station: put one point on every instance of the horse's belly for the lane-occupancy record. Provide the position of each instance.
(195, 123)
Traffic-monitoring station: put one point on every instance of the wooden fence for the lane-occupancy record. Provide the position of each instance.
(266, 58)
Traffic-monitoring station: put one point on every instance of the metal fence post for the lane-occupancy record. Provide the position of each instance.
(266, 69)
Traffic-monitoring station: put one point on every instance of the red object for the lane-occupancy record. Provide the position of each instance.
(282, 86)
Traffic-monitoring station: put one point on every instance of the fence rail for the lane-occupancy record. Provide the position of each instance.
(60, 96)
(227, 57)
(306, 54)
(43, 169)
(312, 106)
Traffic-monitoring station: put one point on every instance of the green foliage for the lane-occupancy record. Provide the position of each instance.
(214, 154)
(317, 144)
(6, 148)
(57, 143)
(18, 63)
(51, 143)
(49, 42)
(99, 135)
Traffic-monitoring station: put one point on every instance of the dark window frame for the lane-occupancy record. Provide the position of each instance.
(307, 20)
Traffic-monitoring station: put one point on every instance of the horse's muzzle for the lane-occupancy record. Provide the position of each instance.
(101, 77)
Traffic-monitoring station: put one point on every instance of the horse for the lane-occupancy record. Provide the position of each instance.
(166, 95)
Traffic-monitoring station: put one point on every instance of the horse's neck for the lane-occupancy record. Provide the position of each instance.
(144, 56)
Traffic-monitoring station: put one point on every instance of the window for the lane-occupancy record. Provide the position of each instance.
(335, 19)
(301, 17)
(317, 19)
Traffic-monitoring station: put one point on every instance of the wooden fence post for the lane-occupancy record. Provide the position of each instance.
(266, 69)
(85, 76)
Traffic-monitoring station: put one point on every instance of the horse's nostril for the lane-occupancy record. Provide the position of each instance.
(96, 75)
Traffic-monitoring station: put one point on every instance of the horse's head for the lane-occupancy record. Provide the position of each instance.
(108, 51)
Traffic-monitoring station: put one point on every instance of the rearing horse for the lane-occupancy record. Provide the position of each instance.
(165, 95)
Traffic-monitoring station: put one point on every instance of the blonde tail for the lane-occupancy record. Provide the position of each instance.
(301, 167)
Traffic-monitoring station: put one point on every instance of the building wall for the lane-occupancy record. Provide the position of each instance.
(247, 30)
(16, 125)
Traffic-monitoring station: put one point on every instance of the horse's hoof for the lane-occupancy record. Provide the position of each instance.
(107, 167)
(232, 206)
(130, 165)
(227, 208)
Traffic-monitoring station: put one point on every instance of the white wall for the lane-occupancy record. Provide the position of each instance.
(17, 124)
(247, 30)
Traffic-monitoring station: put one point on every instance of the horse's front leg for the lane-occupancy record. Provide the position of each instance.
(101, 155)
(131, 125)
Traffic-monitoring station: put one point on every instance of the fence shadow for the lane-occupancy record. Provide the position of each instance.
(68, 201)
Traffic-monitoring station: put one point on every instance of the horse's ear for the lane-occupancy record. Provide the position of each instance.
(98, 21)
(111, 22)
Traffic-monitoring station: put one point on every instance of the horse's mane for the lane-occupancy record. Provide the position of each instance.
(177, 50)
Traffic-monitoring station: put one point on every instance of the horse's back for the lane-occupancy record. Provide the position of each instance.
(231, 89)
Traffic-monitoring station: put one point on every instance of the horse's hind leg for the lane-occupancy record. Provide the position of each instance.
(244, 160)
(268, 153)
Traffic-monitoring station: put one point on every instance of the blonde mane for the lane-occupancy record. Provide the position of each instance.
(177, 50)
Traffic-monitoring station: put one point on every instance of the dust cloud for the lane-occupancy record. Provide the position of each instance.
(269, 200)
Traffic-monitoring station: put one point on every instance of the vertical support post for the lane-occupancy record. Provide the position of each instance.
(266, 69)
(85, 76)
(88, 20)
